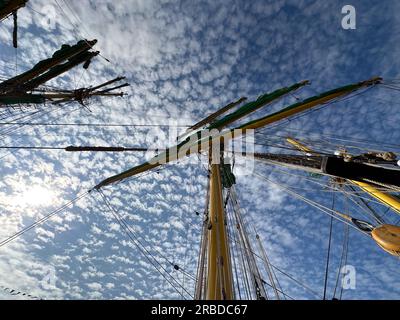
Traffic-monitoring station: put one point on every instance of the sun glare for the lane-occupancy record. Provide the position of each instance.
(35, 196)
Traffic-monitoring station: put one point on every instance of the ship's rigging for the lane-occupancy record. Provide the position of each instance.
(233, 262)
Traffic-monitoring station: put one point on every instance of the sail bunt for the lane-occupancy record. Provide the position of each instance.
(25, 88)
(7, 7)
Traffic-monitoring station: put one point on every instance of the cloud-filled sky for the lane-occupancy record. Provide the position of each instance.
(184, 60)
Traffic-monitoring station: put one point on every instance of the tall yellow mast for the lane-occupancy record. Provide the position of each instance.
(219, 282)
(219, 279)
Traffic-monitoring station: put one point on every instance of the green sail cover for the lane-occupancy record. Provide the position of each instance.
(254, 105)
(64, 53)
(344, 89)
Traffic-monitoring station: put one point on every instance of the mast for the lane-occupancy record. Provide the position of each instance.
(11, 7)
(219, 271)
(25, 88)
(219, 281)
(8, 7)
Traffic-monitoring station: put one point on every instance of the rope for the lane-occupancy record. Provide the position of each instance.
(42, 220)
(134, 239)
(329, 249)
(90, 124)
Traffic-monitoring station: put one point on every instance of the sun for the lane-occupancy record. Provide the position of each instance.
(34, 196)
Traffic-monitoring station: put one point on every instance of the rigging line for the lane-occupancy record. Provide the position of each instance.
(180, 269)
(10, 152)
(322, 208)
(24, 116)
(135, 240)
(241, 255)
(345, 97)
(40, 113)
(345, 259)
(152, 263)
(367, 208)
(242, 220)
(332, 188)
(242, 247)
(269, 270)
(344, 246)
(230, 232)
(391, 87)
(333, 136)
(235, 247)
(231, 204)
(335, 146)
(274, 267)
(80, 23)
(43, 219)
(283, 293)
(32, 148)
(329, 249)
(30, 7)
(85, 148)
(74, 27)
(188, 203)
(338, 145)
(90, 124)
(315, 293)
(279, 146)
(76, 30)
(77, 18)
(128, 233)
(243, 232)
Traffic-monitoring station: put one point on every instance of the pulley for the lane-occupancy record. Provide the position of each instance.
(387, 236)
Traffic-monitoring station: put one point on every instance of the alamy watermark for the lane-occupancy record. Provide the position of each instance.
(48, 282)
(349, 21)
(349, 277)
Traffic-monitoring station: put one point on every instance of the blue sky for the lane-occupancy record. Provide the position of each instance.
(185, 59)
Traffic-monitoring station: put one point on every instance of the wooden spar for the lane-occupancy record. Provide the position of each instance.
(11, 7)
(15, 30)
(60, 96)
(107, 83)
(45, 65)
(58, 70)
(384, 198)
(256, 105)
(174, 153)
(216, 114)
(306, 105)
(219, 271)
(243, 110)
(219, 280)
